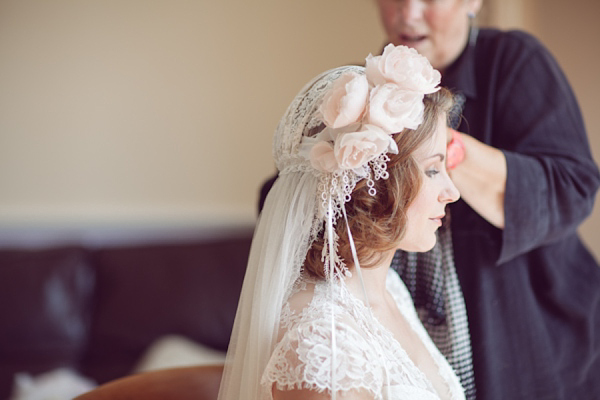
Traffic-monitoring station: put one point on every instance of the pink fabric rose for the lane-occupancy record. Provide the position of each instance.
(404, 66)
(394, 109)
(355, 149)
(322, 157)
(345, 102)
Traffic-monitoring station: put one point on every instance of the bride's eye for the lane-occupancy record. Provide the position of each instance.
(432, 172)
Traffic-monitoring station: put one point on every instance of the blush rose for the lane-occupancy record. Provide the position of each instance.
(322, 157)
(404, 66)
(355, 149)
(394, 109)
(345, 102)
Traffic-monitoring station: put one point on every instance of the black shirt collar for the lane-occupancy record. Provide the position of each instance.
(460, 75)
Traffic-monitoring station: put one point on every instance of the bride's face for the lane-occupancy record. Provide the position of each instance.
(425, 213)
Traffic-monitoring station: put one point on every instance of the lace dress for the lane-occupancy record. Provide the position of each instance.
(369, 358)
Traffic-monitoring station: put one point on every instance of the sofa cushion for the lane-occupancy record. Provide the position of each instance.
(44, 310)
(147, 292)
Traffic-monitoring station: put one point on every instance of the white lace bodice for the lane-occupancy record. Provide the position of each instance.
(369, 358)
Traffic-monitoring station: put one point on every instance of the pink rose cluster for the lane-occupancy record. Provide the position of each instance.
(361, 112)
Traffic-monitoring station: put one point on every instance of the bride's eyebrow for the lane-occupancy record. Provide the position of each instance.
(440, 155)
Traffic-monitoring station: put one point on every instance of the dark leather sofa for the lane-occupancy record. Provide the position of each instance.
(96, 308)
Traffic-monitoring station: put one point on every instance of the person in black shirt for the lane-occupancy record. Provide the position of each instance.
(527, 181)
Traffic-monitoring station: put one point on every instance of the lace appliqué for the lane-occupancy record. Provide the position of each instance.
(302, 360)
(302, 119)
(368, 357)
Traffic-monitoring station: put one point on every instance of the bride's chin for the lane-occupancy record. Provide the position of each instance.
(427, 248)
(420, 247)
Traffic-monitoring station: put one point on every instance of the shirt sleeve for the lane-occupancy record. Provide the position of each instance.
(552, 178)
(303, 360)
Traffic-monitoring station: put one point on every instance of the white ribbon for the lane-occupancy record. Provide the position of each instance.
(331, 278)
(355, 256)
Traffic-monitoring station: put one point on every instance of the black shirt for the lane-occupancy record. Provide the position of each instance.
(532, 290)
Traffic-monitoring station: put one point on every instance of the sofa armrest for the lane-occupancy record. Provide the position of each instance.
(187, 383)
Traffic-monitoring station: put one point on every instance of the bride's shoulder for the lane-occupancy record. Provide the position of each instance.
(311, 305)
(302, 295)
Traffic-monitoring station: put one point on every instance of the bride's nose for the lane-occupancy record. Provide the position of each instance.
(449, 193)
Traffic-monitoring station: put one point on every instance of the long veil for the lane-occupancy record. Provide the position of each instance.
(291, 219)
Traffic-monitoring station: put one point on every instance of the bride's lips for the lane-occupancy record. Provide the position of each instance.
(438, 220)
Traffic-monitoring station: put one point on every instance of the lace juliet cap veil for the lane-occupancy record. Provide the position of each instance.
(315, 181)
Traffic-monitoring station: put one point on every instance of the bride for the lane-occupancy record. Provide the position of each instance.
(361, 158)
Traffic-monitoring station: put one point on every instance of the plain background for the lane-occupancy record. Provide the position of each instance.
(147, 112)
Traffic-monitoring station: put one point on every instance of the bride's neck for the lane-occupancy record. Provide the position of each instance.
(374, 279)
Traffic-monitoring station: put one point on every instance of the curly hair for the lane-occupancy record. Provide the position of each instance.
(379, 223)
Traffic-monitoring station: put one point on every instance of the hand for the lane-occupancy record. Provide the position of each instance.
(455, 150)
(480, 177)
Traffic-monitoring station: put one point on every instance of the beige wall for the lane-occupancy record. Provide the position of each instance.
(144, 111)
(147, 111)
(572, 29)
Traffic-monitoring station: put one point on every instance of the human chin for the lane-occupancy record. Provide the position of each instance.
(427, 244)
(420, 245)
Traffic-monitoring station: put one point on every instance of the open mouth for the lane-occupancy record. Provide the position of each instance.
(412, 39)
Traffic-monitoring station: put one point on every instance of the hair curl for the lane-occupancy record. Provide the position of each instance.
(379, 223)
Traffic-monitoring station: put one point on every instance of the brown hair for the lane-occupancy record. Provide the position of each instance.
(378, 223)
